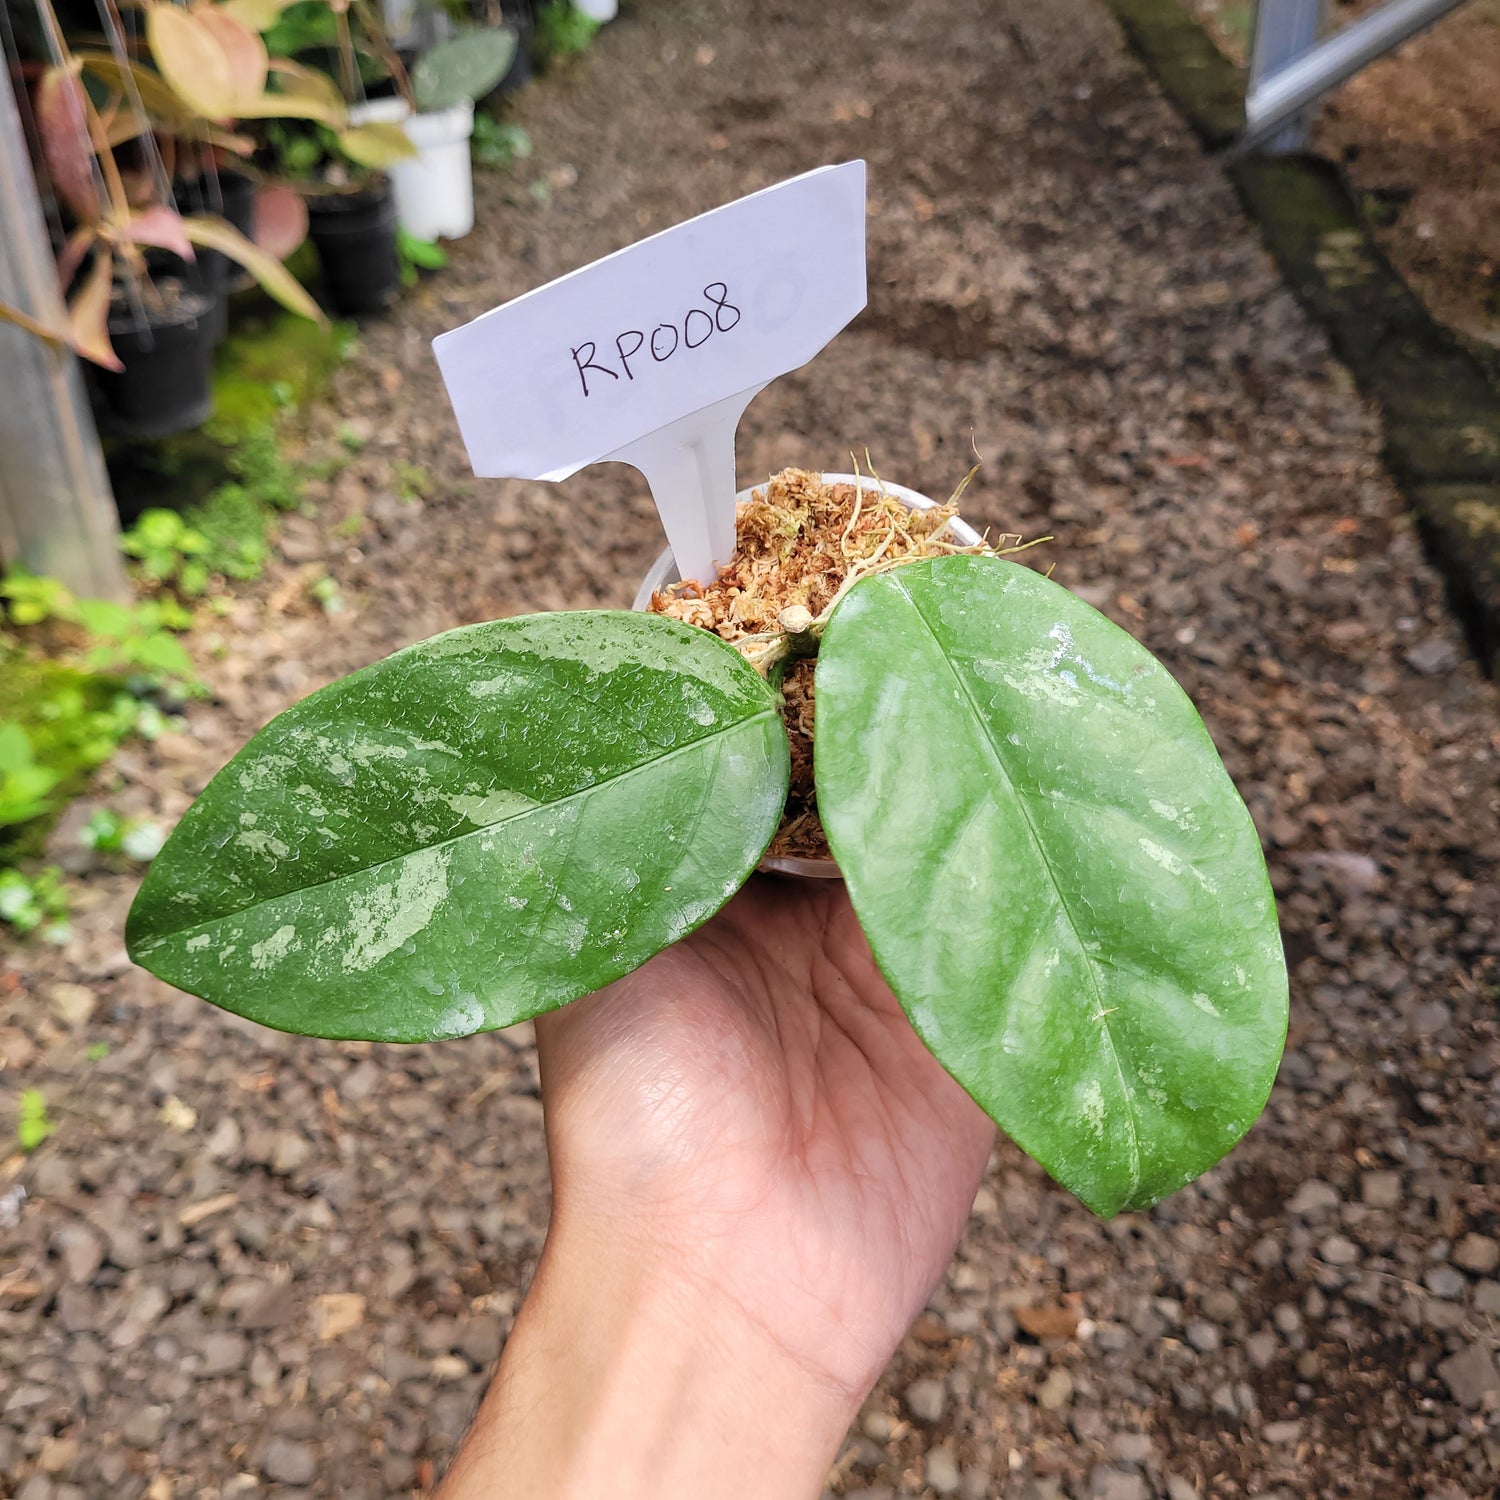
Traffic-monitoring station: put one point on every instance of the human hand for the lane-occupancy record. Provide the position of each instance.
(759, 1175)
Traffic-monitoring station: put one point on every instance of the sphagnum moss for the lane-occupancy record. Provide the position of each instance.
(801, 544)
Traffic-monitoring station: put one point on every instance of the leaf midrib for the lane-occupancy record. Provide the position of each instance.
(1046, 863)
(193, 929)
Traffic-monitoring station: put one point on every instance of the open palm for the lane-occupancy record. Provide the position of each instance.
(755, 1100)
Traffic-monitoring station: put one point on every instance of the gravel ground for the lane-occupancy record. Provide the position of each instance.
(252, 1265)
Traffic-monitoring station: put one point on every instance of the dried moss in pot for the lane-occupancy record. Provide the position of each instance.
(1053, 870)
(802, 542)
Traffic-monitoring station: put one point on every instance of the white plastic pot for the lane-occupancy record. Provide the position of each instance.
(598, 10)
(435, 188)
(664, 571)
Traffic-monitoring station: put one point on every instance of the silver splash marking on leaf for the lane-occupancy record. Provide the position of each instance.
(258, 841)
(277, 946)
(492, 808)
(1175, 865)
(394, 913)
(463, 1018)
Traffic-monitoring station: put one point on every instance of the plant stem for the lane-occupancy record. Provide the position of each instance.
(347, 68)
(375, 32)
(800, 629)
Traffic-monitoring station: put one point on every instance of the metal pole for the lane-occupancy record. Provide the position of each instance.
(57, 513)
(1284, 31)
(1272, 101)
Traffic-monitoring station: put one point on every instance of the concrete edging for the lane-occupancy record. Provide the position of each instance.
(1441, 414)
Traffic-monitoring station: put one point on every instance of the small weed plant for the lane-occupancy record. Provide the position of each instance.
(498, 143)
(33, 1124)
(35, 902)
(562, 31)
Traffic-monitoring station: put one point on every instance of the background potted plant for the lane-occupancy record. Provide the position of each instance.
(335, 160)
(435, 187)
(1054, 871)
(150, 335)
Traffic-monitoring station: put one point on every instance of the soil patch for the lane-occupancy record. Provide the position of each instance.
(1418, 135)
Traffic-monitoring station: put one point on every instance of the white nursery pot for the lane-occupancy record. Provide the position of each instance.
(664, 571)
(598, 10)
(435, 188)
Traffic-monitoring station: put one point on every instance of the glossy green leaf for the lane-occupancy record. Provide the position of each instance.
(1054, 870)
(475, 830)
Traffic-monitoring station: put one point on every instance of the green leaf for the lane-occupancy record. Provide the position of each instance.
(34, 599)
(15, 749)
(274, 278)
(155, 528)
(498, 144)
(1054, 870)
(257, 15)
(377, 144)
(106, 619)
(33, 1123)
(466, 66)
(477, 829)
(424, 254)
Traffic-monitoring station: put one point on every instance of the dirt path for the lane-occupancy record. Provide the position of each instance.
(1418, 133)
(1058, 277)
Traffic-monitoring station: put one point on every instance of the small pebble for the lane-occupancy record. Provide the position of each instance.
(1106, 1483)
(1131, 1447)
(1445, 1282)
(1287, 1318)
(288, 1462)
(1339, 1250)
(1380, 1190)
(1477, 1253)
(925, 1399)
(1432, 656)
(1056, 1390)
(1261, 1349)
(1203, 1336)
(1313, 1199)
(1470, 1375)
(942, 1470)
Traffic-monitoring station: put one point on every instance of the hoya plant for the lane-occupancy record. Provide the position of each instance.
(462, 68)
(1052, 867)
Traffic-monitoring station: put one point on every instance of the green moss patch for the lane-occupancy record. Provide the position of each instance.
(271, 363)
(73, 721)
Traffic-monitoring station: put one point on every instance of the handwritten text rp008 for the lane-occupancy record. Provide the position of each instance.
(663, 341)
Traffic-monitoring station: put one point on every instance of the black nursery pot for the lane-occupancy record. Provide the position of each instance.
(355, 234)
(231, 197)
(166, 385)
(208, 274)
(237, 194)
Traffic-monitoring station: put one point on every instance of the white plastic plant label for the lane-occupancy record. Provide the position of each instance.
(651, 355)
